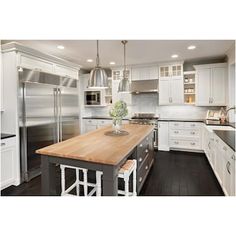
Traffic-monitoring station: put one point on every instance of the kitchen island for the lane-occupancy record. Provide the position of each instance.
(97, 151)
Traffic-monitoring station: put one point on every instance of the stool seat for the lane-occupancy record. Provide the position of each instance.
(129, 164)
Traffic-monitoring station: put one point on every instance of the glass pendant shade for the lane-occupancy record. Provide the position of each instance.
(98, 76)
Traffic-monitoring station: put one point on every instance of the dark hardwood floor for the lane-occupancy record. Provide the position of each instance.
(173, 174)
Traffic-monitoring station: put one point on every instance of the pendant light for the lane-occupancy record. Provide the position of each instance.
(124, 85)
(98, 77)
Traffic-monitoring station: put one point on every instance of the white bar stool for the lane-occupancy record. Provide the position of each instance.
(96, 187)
(125, 171)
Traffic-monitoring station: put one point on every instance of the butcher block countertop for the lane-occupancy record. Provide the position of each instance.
(99, 148)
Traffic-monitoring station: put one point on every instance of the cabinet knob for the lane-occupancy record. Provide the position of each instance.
(176, 142)
(141, 145)
(140, 179)
(140, 159)
(146, 150)
(176, 132)
(146, 167)
(192, 143)
(192, 132)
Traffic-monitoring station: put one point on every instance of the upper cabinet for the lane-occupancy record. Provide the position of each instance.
(145, 73)
(211, 82)
(171, 90)
(66, 71)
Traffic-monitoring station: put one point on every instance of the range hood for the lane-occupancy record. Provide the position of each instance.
(144, 86)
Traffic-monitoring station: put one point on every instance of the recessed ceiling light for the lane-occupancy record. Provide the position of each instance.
(174, 56)
(89, 60)
(112, 63)
(191, 47)
(60, 47)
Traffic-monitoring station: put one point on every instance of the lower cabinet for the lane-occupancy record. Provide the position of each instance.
(93, 124)
(163, 136)
(222, 160)
(145, 159)
(10, 170)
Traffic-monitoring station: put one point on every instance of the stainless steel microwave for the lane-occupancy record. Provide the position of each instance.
(93, 97)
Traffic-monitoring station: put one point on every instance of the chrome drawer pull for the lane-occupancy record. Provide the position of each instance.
(146, 150)
(176, 132)
(140, 159)
(141, 145)
(146, 167)
(192, 143)
(176, 142)
(140, 179)
(147, 139)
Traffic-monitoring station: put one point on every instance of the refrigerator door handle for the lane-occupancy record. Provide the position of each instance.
(55, 94)
(60, 116)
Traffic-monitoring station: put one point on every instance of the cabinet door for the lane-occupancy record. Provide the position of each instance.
(176, 70)
(227, 171)
(35, 63)
(163, 136)
(7, 166)
(218, 86)
(219, 155)
(203, 88)
(164, 91)
(1, 83)
(164, 71)
(176, 90)
(66, 71)
(153, 72)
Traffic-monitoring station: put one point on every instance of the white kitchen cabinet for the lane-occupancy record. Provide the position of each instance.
(171, 87)
(211, 84)
(1, 83)
(89, 125)
(185, 135)
(171, 91)
(66, 71)
(163, 136)
(144, 73)
(35, 63)
(10, 169)
(228, 167)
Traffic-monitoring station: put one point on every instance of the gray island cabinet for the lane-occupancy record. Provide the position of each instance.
(97, 151)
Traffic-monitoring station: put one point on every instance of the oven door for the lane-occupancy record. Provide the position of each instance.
(92, 98)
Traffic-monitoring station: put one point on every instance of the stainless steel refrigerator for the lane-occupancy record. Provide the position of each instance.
(49, 113)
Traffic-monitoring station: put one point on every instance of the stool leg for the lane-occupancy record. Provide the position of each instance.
(62, 180)
(134, 182)
(85, 173)
(126, 178)
(98, 183)
(77, 182)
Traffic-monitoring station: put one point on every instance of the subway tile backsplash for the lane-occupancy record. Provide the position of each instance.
(149, 103)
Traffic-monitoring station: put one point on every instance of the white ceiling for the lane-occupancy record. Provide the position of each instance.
(138, 51)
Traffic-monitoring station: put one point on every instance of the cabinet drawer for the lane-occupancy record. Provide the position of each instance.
(104, 122)
(8, 142)
(176, 125)
(186, 144)
(143, 150)
(66, 71)
(192, 125)
(184, 133)
(143, 171)
(35, 63)
(90, 122)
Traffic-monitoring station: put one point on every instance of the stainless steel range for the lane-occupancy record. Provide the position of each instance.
(147, 119)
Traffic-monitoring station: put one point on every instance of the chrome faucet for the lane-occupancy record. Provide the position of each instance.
(226, 113)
